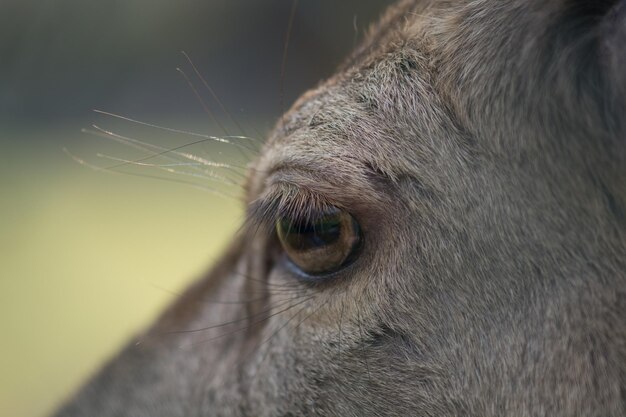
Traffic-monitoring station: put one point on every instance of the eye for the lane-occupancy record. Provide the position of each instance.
(323, 244)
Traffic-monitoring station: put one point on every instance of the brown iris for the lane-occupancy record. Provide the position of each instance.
(321, 245)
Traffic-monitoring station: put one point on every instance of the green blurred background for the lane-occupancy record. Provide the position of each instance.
(87, 258)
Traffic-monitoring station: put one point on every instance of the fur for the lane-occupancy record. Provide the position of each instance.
(481, 146)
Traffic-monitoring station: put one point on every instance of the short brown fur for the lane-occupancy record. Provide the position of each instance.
(481, 146)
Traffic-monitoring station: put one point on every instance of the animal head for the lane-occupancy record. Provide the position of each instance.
(437, 229)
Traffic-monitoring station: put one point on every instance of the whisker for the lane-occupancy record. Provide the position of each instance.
(228, 139)
(206, 162)
(144, 146)
(178, 181)
(135, 174)
(282, 327)
(173, 165)
(162, 150)
(286, 287)
(209, 175)
(210, 90)
(273, 289)
(83, 162)
(206, 108)
(283, 63)
(270, 284)
(332, 295)
(241, 329)
(212, 301)
(169, 129)
(215, 326)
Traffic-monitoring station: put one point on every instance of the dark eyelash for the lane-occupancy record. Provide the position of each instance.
(285, 201)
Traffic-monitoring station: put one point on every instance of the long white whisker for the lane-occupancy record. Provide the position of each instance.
(206, 108)
(178, 164)
(162, 151)
(83, 162)
(147, 147)
(210, 90)
(208, 175)
(224, 139)
(211, 190)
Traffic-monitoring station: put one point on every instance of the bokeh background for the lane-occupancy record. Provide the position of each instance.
(89, 257)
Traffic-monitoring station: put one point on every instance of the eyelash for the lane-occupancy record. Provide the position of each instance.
(288, 202)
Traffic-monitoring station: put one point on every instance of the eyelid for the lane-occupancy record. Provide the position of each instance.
(286, 201)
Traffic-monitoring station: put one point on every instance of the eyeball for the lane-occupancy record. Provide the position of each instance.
(323, 244)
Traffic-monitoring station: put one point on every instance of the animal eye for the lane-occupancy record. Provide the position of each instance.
(321, 245)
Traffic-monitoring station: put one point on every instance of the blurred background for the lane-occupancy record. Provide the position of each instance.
(89, 257)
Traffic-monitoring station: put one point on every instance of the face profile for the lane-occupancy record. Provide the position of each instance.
(438, 228)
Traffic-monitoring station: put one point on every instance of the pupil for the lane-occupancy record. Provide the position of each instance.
(310, 235)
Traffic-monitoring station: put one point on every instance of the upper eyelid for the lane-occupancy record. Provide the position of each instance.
(285, 200)
(308, 195)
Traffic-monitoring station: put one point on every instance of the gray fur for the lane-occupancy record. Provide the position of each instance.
(481, 146)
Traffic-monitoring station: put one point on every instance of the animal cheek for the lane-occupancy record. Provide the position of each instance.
(251, 275)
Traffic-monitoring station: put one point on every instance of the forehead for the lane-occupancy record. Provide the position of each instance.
(379, 112)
